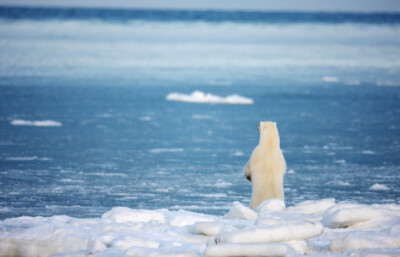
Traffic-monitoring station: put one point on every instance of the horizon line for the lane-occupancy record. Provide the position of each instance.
(197, 9)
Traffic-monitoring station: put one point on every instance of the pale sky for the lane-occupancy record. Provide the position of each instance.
(266, 5)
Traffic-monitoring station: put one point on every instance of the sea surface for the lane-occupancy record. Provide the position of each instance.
(85, 124)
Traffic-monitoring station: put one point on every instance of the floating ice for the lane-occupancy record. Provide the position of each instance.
(221, 183)
(166, 150)
(201, 117)
(379, 187)
(350, 229)
(36, 123)
(201, 97)
(145, 118)
(238, 153)
(368, 152)
(330, 79)
(388, 84)
(28, 158)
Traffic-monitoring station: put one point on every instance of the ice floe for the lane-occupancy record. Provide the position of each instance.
(388, 83)
(166, 150)
(368, 152)
(145, 118)
(330, 79)
(27, 158)
(379, 187)
(321, 227)
(201, 97)
(36, 123)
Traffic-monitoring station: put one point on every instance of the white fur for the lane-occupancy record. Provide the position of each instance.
(266, 166)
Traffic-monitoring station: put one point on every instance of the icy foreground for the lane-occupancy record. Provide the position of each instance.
(203, 98)
(311, 227)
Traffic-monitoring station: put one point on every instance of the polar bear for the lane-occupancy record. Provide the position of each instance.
(267, 166)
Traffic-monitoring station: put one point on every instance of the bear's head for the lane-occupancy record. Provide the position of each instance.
(269, 133)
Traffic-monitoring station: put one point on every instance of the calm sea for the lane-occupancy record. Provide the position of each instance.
(99, 78)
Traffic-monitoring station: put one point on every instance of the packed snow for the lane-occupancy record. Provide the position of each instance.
(271, 229)
(36, 123)
(203, 98)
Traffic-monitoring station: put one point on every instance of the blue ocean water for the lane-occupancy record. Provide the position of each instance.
(330, 81)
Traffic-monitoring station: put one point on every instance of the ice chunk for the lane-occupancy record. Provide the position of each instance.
(185, 218)
(253, 249)
(201, 97)
(363, 240)
(145, 252)
(238, 153)
(379, 187)
(376, 252)
(388, 83)
(166, 150)
(344, 215)
(36, 123)
(145, 118)
(275, 233)
(208, 228)
(239, 211)
(271, 205)
(368, 152)
(124, 215)
(319, 206)
(330, 79)
(41, 236)
(128, 242)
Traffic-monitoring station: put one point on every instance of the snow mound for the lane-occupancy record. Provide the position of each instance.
(36, 123)
(320, 227)
(208, 228)
(313, 206)
(343, 215)
(246, 250)
(126, 215)
(271, 205)
(239, 211)
(203, 98)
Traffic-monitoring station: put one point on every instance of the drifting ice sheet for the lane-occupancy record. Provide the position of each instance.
(36, 123)
(203, 98)
(294, 231)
